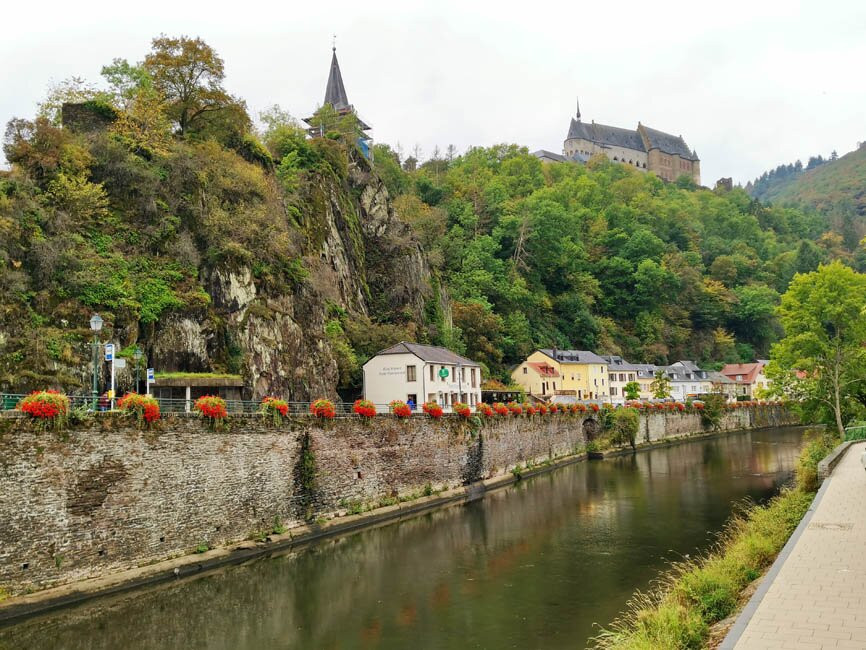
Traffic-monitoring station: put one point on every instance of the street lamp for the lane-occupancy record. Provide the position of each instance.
(137, 356)
(96, 326)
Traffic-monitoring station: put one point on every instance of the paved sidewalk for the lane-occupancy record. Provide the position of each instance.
(818, 598)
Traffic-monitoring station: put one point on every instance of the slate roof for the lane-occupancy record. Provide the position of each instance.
(544, 153)
(670, 144)
(603, 134)
(335, 92)
(573, 356)
(615, 363)
(641, 139)
(429, 353)
(718, 378)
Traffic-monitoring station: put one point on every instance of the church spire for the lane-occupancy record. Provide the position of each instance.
(335, 92)
(577, 100)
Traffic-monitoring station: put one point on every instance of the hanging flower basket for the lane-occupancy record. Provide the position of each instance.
(500, 409)
(400, 409)
(323, 409)
(462, 409)
(144, 407)
(365, 408)
(274, 409)
(484, 410)
(49, 408)
(529, 409)
(213, 408)
(432, 409)
(514, 408)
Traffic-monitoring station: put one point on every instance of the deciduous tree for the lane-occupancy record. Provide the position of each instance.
(822, 356)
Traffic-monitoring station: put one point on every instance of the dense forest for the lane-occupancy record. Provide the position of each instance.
(222, 245)
(602, 257)
(767, 186)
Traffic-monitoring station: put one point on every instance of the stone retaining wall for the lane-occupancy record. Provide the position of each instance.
(105, 496)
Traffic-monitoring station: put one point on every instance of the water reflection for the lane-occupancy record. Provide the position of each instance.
(533, 566)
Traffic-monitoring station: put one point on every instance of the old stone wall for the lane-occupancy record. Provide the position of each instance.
(105, 496)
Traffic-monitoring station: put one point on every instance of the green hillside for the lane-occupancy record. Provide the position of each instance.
(217, 247)
(835, 189)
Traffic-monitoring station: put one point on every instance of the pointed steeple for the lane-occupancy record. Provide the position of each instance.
(335, 92)
(577, 100)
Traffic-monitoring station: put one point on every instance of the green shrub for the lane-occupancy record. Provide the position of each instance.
(622, 425)
(818, 445)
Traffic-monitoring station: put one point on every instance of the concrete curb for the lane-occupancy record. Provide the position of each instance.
(733, 637)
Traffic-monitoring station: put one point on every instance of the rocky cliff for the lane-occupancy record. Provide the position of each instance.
(206, 262)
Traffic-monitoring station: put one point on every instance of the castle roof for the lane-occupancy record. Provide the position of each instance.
(641, 139)
(670, 144)
(611, 136)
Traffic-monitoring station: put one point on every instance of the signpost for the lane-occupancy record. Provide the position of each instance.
(109, 356)
(150, 380)
(443, 372)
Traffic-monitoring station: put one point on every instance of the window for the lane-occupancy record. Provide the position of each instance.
(462, 374)
(622, 376)
(524, 370)
(613, 391)
(472, 374)
(630, 377)
(432, 372)
(410, 373)
(554, 385)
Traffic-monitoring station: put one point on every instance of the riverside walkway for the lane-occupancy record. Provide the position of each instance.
(815, 594)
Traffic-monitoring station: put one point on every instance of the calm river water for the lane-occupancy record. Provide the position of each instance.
(536, 565)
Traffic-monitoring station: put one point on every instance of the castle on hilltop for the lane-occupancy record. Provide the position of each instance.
(646, 149)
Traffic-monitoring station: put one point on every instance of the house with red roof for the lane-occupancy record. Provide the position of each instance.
(747, 377)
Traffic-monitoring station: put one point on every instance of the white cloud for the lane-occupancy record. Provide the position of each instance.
(749, 85)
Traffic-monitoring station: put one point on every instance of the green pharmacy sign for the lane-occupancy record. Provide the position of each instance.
(443, 372)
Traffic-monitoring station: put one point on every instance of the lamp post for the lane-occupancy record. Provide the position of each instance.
(137, 356)
(96, 326)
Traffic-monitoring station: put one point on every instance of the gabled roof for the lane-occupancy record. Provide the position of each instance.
(573, 356)
(543, 369)
(605, 135)
(335, 92)
(430, 353)
(670, 144)
(615, 363)
(544, 153)
(718, 378)
(749, 371)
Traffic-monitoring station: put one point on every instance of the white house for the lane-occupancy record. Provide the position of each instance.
(688, 380)
(421, 373)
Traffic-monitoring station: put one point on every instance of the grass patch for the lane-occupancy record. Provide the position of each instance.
(195, 375)
(678, 611)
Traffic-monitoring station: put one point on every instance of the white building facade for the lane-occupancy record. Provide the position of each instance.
(421, 373)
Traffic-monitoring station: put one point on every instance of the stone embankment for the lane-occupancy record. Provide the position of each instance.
(106, 497)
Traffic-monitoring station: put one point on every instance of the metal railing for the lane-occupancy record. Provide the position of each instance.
(8, 402)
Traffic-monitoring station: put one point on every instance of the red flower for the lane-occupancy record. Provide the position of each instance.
(484, 409)
(514, 408)
(211, 406)
(432, 409)
(145, 407)
(365, 408)
(542, 409)
(500, 408)
(400, 409)
(323, 408)
(46, 405)
(462, 409)
(594, 407)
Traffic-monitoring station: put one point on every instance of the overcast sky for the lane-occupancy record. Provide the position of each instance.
(749, 85)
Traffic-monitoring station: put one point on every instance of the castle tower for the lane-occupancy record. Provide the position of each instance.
(335, 91)
(335, 96)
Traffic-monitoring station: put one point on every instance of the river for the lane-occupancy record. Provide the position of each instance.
(535, 565)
